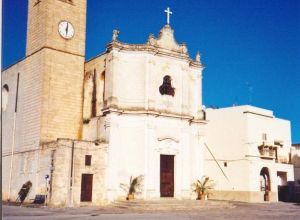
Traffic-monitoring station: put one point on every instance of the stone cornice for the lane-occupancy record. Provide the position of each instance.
(164, 45)
(188, 118)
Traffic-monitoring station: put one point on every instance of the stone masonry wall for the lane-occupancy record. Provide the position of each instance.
(62, 192)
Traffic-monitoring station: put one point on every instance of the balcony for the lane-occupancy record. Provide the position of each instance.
(284, 159)
(267, 152)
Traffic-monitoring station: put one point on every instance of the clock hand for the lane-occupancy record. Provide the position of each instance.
(67, 28)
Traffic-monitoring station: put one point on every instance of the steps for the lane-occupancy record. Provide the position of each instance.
(169, 204)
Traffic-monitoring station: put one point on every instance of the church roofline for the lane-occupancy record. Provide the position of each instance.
(165, 44)
(13, 64)
(246, 109)
(95, 57)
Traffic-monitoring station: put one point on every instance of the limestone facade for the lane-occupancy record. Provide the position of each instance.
(79, 129)
(45, 94)
(138, 122)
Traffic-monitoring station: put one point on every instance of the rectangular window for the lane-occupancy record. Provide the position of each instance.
(264, 136)
(88, 160)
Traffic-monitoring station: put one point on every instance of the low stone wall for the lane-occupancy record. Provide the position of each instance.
(243, 196)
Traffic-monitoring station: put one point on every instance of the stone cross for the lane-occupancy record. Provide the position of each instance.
(168, 15)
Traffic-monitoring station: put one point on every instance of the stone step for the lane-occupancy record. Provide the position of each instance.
(169, 204)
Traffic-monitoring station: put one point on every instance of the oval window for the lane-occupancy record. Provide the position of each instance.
(5, 91)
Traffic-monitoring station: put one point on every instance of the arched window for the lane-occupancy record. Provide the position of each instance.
(94, 96)
(5, 91)
(166, 88)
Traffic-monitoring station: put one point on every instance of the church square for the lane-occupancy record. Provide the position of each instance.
(77, 131)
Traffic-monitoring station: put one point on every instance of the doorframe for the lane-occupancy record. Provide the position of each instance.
(168, 146)
(160, 158)
(265, 174)
(92, 180)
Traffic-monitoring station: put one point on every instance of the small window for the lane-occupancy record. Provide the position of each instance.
(166, 88)
(88, 160)
(264, 136)
(5, 91)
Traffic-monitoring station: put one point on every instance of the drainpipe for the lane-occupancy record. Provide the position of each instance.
(71, 176)
(51, 175)
(13, 139)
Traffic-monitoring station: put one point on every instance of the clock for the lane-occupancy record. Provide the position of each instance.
(66, 29)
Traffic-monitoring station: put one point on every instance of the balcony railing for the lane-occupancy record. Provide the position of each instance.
(267, 152)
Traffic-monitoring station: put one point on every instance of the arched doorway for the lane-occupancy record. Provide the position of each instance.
(265, 183)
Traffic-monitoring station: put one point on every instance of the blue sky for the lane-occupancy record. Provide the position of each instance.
(250, 48)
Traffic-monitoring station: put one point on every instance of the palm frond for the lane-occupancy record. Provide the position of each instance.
(203, 186)
(135, 184)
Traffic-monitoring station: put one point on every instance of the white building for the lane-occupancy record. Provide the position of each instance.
(296, 162)
(136, 109)
(248, 152)
(149, 113)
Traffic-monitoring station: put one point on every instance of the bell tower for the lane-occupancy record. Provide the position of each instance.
(56, 24)
(56, 47)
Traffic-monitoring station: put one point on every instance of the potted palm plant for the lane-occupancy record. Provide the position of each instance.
(202, 187)
(135, 185)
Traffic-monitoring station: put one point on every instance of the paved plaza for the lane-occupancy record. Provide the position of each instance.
(175, 210)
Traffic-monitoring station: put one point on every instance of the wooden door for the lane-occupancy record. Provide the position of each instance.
(86, 187)
(166, 175)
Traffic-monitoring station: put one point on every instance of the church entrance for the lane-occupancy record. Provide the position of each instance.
(86, 187)
(166, 175)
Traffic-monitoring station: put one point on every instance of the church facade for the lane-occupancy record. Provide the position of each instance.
(79, 129)
(144, 102)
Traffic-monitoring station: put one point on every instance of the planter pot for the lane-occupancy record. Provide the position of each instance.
(130, 197)
(201, 197)
(267, 196)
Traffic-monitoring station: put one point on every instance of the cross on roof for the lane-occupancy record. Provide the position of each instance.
(168, 12)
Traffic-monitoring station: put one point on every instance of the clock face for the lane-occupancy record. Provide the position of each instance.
(66, 29)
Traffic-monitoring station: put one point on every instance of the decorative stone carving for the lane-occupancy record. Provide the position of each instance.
(198, 57)
(168, 146)
(166, 88)
(151, 40)
(166, 39)
(183, 48)
(168, 138)
(164, 44)
(115, 35)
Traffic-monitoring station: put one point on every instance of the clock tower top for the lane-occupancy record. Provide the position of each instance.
(56, 24)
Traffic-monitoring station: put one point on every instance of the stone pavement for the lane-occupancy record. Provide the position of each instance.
(160, 209)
